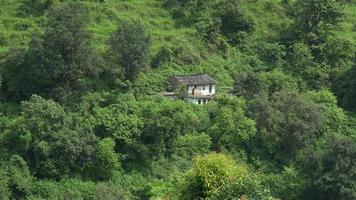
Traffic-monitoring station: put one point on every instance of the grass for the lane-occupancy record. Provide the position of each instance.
(16, 30)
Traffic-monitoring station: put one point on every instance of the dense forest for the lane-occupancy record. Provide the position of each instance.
(82, 116)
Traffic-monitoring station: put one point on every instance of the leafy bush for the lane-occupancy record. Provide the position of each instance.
(217, 176)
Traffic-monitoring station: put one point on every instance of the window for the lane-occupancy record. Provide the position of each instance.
(210, 88)
(204, 101)
(203, 87)
(199, 102)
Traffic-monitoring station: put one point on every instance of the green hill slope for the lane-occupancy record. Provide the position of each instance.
(74, 124)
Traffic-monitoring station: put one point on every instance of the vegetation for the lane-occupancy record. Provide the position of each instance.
(81, 115)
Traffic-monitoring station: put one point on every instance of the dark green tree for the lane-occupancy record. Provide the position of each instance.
(313, 17)
(286, 123)
(332, 171)
(233, 18)
(249, 85)
(56, 63)
(47, 137)
(345, 89)
(129, 48)
(67, 52)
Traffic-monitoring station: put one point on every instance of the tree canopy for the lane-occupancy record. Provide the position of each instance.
(84, 111)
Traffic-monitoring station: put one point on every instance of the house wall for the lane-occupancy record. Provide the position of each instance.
(204, 89)
(196, 101)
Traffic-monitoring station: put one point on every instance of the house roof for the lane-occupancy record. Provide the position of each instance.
(197, 79)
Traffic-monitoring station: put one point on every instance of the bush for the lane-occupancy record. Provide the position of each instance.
(217, 176)
(192, 144)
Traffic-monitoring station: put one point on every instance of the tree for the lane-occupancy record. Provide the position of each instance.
(233, 18)
(108, 192)
(344, 88)
(252, 85)
(314, 16)
(19, 177)
(230, 126)
(332, 171)
(273, 54)
(66, 47)
(129, 48)
(23, 72)
(36, 7)
(163, 122)
(248, 85)
(107, 159)
(335, 118)
(57, 62)
(190, 145)
(4, 185)
(48, 138)
(115, 123)
(304, 63)
(217, 176)
(288, 185)
(277, 80)
(300, 58)
(286, 123)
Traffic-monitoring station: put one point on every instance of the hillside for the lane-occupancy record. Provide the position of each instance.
(82, 116)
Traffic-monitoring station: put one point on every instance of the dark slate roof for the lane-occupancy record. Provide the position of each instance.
(197, 79)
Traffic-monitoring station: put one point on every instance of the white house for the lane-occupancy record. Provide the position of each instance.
(198, 89)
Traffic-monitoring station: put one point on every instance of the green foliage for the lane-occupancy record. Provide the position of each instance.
(164, 122)
(251, 84)
(345, 90)
(289, 184)
(334, 117)
(286, 123)
(66, 47)
(312, 17)
(107, 134)
(333, 171)
(4, 188)
(230, 126)
(108, 192)
(217, 176)
(56, 63)
(19, 177)
(192, 144)
(248, 85)
(48, 141)
(129, 48)
(114, 122)
(212, 18)
(107, 159)
(233, 18)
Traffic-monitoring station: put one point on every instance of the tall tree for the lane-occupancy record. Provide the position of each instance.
(57, 62)
(332, 172)
(129, 47)
(286, 123)
(344, 88)
(47, 137)
(66, 47)
(314, 16)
